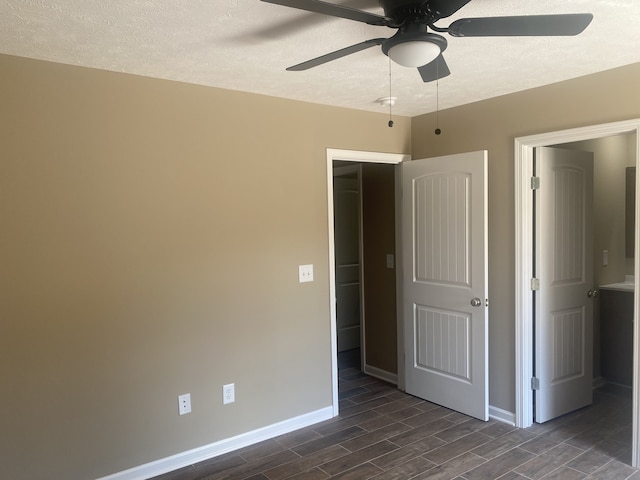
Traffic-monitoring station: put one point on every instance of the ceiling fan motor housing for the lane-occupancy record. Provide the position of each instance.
(409, 11)
(412, 33)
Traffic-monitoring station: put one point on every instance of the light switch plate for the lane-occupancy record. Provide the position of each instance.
(305, 273)
(390, 260)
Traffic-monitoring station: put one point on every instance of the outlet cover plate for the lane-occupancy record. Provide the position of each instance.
(184, 404)
(228, 393)
(305, 273)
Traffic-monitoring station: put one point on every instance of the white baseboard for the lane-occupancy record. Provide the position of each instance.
(502, 415)
(184, 459)
(381, 374)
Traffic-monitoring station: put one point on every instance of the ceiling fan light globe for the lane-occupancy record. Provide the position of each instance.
(414, 53)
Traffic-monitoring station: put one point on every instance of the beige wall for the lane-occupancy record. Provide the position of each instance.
(493, 125)
(151, 233)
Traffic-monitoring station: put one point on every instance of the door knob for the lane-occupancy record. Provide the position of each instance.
(476, 302)
(593, 293)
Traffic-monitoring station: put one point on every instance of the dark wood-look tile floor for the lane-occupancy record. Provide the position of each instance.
(384, 434)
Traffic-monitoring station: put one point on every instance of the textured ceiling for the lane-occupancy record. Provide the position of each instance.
(247, 44)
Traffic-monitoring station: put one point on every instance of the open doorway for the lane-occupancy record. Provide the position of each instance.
(348, 241)
(340, 158)
(525, 147)
(613, 259)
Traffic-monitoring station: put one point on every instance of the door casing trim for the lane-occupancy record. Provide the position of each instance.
(523, 203)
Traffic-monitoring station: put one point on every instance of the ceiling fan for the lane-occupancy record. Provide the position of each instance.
(413, 45)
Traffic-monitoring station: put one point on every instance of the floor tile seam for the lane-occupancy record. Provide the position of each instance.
(589, 473)
(376, 429)
(360, 408)
(461, 475)
(601, 466)
(415, 475)
(368, 460)
(273, 440)
(403, 421)
(346, 452)
(605, 451)
(586, 446)
(567, 462)
(323, 435)
(469, 432)
(314, 451)
(370, 445)
(292, 474)
(390, 414)
(563, 465)
(495, 458)
(358, 380)
(548, 475)
(407, 460)
(547, 450)
(489, 439)
(431, 421)
(599, 452)
(310, 442)
(419, 440)
(388, 425)
(513, 471)
(484, 460)
(513, 447)
(400, 407)
(433, 465)
(355, 401)
(562, 439)
(261, 470)
(319, 467)
(420, 412)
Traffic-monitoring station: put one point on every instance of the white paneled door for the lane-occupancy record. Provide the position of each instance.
(444, 244)
(564, 269)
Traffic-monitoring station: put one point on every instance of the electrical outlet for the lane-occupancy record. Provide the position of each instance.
(228, 393)
(184, 404)
(305, 273)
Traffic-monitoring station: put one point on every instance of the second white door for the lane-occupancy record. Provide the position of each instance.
(564, 268)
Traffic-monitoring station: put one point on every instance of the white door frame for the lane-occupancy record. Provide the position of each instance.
(348, 156)
(524, 147)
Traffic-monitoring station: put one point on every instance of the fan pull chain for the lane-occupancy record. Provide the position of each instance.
(390, 97)
(437, 131)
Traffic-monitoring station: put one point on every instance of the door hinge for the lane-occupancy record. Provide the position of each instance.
(535, 284)
(535, 383)
(535, 183)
